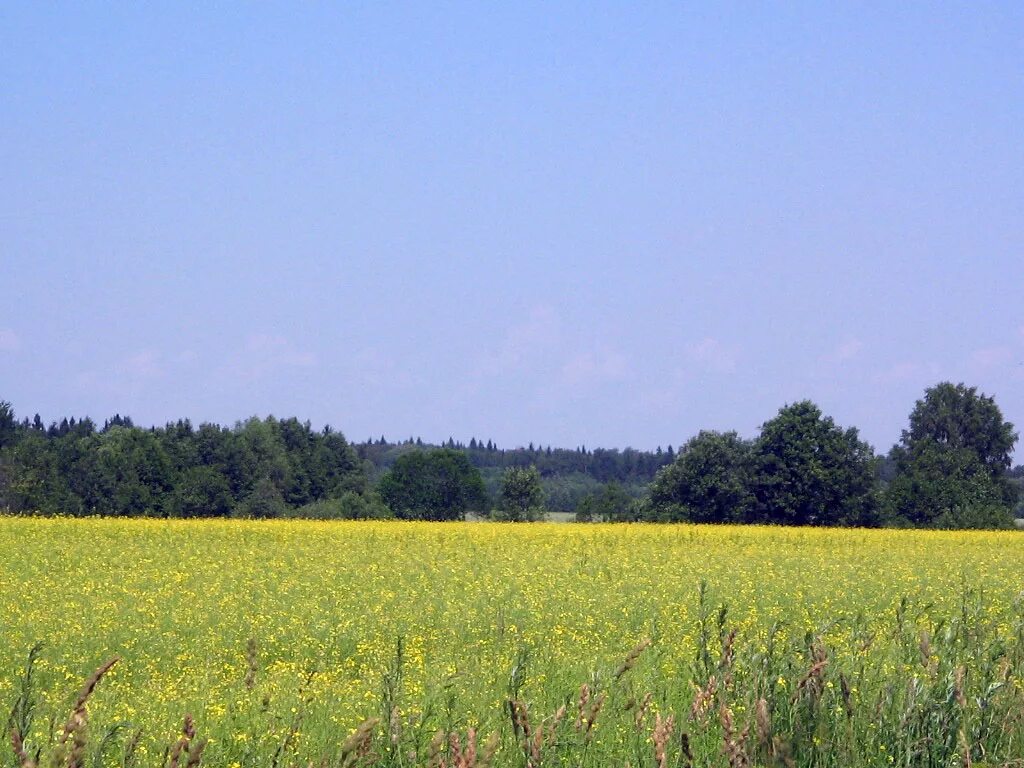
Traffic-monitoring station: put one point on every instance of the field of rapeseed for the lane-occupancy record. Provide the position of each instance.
(384, 643)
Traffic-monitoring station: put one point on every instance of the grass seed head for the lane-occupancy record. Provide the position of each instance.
(663, 728)
(641, 711)
(763, 720)
(24, 761)
(631, 658)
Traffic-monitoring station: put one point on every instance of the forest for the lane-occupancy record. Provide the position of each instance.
(951, 469)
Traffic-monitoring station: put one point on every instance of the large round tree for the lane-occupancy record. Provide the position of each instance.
(522, 496)
(709, 482)
(806, 470)
(952, 460)
(433, 485)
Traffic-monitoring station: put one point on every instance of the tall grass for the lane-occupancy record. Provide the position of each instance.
(926, 688)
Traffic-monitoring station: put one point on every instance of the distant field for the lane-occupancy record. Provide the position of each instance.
(846, 674)
(561, 517)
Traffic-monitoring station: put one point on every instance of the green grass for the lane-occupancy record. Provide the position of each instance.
(859, 648)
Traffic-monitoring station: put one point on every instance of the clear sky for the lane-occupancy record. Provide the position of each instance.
(610, 224)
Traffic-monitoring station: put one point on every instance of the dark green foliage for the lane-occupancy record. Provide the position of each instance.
(140, 471)
(709, 482)
(433, 485)
(264, 501)
(629, 467)
(612, 504)
(8, 425)
(567, 476)
(806, 470)
(260, 468)
(1016, 479)
(564, 493)
(932, 481)
(36, 477)
(957, 417)
(615, 505)
(953, 460)
(801, 470)
(522, 497)
(201, 492)
(977, 516)
(349, 506)
(951, 469)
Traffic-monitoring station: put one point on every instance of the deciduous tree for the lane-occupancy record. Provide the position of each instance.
(433, 485)
(709, 482)
(806, 470)
(522, 497)
(952, 461)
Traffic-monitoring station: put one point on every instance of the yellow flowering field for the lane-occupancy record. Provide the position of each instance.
(282, 638)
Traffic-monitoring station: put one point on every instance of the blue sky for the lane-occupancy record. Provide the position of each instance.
(611, 224)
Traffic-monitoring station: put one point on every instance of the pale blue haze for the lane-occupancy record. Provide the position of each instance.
(611, 224)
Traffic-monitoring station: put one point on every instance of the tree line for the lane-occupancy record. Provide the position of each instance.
(569, 476)
(951, 468)
(258, 468)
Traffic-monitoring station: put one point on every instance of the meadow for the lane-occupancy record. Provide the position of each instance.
(470, 644)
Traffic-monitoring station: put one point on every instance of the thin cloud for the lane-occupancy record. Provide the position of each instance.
(906, 370)
(712, 355)
(278, 350)
(9, 340)
(266, 353)
(142, 365)
(522, 344)
(992, 357)
(124, 375)
(845, 351)
(594, 367)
